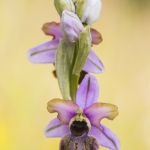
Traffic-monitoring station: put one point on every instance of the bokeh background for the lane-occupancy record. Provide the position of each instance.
(25, 88)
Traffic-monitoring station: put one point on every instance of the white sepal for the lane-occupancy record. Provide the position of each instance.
(88, 10)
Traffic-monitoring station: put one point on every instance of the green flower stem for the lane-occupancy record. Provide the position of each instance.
(73, 77)
(74, 86)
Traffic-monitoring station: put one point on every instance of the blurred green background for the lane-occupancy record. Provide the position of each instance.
(25, 88)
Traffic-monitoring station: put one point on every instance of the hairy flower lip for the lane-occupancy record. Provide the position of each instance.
(83, 141)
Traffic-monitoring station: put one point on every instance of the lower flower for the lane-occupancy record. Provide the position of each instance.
(79, 123)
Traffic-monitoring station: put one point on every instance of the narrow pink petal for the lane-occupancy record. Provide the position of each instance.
(105, 137)
(66, 109)
(88, 91)
(96, 37)
(56, 128)
(98, 111)
(93, 64)
(53, 29)
(43, 53)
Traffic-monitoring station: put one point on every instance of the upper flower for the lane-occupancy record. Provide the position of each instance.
(45, 53)
(84, 116)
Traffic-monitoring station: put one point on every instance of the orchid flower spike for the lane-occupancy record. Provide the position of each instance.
(82, 119)
(88, 10)
(45, 53)
(71, 27)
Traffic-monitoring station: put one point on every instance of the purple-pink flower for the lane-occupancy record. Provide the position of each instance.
(45, 53)
(85, 109)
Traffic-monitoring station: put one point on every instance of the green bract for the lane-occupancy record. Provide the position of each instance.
(80, 4)
(83, 46)
(69, 62)
(62, 5)
(63, 69)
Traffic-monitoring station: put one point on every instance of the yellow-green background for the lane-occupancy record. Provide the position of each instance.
(25, 88)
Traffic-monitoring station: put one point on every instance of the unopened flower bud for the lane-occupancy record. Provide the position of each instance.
(88, 10)
(62, 5)
(71, 26)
